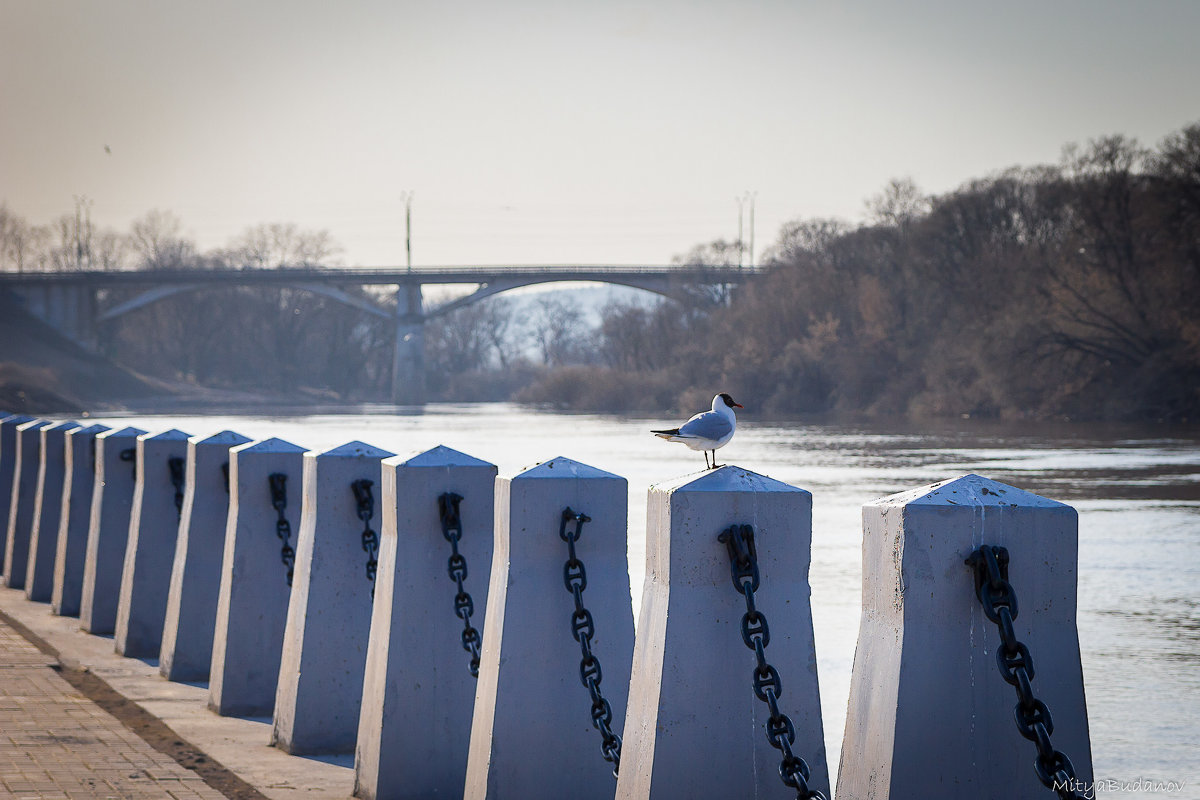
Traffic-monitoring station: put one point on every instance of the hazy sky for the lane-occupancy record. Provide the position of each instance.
(556, 131)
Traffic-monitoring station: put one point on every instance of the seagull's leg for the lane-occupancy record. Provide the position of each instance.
(706, 460)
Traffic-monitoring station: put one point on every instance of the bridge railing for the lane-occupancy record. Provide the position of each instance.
(371, 275)
(468, 634)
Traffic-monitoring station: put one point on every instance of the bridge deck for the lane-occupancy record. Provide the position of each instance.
(376, 275)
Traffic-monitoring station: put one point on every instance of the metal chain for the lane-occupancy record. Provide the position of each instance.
(370, 539)
(464, 606)
(277, 481)
(999, 602)
(583, 628)
(130, 454)
(781, 733)
(177, 467)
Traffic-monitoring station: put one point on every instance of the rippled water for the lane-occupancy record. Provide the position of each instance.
(1137, 492)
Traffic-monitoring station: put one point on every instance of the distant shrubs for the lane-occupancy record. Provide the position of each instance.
(605, 389)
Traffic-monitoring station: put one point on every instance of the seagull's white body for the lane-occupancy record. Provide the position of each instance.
(708, 430)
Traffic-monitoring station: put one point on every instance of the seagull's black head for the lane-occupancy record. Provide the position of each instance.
(729, 401)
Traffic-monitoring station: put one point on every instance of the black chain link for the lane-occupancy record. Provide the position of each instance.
(464, 606)
(177, 466)
(370, 539)
(130, 454)
(781, 733)
(999, 602)
(583, 628)
(277, 481)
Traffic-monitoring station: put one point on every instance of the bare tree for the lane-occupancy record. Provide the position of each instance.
(555, 329)
(279, 245)
(15, 240)
(496, 318)
(717, 253)
(898, 205)
(157, 240)
(109, 250)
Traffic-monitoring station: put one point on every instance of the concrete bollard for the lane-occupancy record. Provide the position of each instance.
(23, 493)
(187, 639)
(252, 599)
(695, 727)
(108, 529)
(8, 457)
(929, 714)
(79, 481)
(419, 691)
(150, 550)
(329, 615)
(530, 699)
(47, 509)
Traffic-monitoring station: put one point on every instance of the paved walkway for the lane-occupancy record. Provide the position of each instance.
(56, 743)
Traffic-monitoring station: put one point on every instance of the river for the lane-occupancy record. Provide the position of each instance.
(1137, 490)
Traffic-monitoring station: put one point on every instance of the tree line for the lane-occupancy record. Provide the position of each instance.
(1055, 291)
(1069, 291)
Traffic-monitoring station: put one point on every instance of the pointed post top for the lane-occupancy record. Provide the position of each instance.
(124, 433)
(562, 467)
(968, 490)
(173, 435)
(440, 456)
(726, 478)
(68, 425)
(34, 424)
(229, 438)
(355, 449)
(272, 445)
(90, 430)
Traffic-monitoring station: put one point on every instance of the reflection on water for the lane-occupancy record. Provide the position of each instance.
(1137, 492)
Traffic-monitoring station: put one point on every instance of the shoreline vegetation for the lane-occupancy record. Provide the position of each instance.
(1065, 292)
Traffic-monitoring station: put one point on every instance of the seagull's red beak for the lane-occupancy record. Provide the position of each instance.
(738, 405)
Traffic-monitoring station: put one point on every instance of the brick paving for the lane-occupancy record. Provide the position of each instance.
(55, 744)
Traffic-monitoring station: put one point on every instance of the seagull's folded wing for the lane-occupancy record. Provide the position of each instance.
(708, 425)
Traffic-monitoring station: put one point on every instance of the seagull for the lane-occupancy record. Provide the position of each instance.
(708, 430)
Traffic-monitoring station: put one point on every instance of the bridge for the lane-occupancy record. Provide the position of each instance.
(78, 303)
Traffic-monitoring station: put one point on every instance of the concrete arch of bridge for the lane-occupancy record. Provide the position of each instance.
(158, 293)
(660, 286)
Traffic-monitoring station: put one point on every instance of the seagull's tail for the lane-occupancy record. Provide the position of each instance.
(669, 435)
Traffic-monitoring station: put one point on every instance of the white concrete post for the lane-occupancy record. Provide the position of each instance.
(695, 728)
(23, 493)
(418, 692)
(79, 481)
(150, 550)
(532, 733)
(929, 715)
(108, 529)
(329, 615)
(252, 601)
(47, 509)
(186, 653)
(8, 457)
